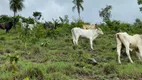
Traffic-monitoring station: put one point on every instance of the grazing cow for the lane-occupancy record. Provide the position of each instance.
(90, 34)
(47, 25)
(6, 26)
(130, 43)
(24, 25)
(31, 26)
(92, 26)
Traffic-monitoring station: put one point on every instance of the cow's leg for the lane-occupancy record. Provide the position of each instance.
(76, 39)
(6, 30)
(73, 37)
(128, 53)
(119, 46)
(91, 44)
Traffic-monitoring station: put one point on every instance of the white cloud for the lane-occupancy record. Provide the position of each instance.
(123, 10)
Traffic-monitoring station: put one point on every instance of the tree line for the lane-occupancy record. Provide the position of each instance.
(104, 13)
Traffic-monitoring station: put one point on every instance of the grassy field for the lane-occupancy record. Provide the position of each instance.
(51, 55)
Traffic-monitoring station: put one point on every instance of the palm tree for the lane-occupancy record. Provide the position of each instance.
(78, 5)
(37, 15)
(15, 6)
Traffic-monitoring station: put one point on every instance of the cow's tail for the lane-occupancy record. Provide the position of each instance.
(119, 38)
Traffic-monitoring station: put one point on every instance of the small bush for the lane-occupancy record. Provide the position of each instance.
(2, 38)
(32, 73)
(110, 69)
(36, 50)
(8, 51)
(74, 47)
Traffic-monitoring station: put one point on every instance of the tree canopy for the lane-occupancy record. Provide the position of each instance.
(78, 6)
(37, 15)
(105, 13)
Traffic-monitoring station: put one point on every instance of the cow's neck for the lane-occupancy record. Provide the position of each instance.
(95, 34)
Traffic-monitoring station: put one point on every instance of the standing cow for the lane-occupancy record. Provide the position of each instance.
(6, 26)
(130, 43)
(91, 34)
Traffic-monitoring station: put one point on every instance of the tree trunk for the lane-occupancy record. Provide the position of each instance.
(14, 19)
(79, 16)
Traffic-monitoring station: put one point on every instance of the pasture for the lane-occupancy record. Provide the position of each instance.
(34, 49)
(50, 55)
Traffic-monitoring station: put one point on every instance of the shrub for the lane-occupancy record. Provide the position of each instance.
(2, 38)
(32, 73)
(110, 68)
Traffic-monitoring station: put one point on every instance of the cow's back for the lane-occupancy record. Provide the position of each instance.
(125, 38)
(136, 40)
(122, 37)
(82, 32)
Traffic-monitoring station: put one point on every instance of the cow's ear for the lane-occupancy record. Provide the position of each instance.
(96, 26)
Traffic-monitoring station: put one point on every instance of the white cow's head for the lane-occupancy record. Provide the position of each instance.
(99, 30)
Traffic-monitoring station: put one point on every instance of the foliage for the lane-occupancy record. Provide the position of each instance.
(28, 20)
(64, 20)
(13, 59)
(105, 13)
(16, 5)
(139, 3)
(5, 18)
(45, 54)
(37, 15)
(138, 23)
(55, 21)
(78, 6)
(50, 54)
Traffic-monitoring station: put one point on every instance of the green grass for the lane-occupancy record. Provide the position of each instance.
(52, 56)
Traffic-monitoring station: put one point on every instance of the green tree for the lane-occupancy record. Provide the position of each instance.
(4, 18)
(139, 3)
(37, 15)
(138, 23)
(64, 20)
(55, 21)
(30, 20)
(105, 13)
(78, 5)
(15, 6)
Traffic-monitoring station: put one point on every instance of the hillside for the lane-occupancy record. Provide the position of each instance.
(51, 55)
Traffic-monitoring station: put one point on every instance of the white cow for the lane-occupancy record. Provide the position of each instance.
(24, 25)
(130, 43)
(31, 26)
(90, 34)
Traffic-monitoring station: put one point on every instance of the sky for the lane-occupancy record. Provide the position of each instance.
(123, 10)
